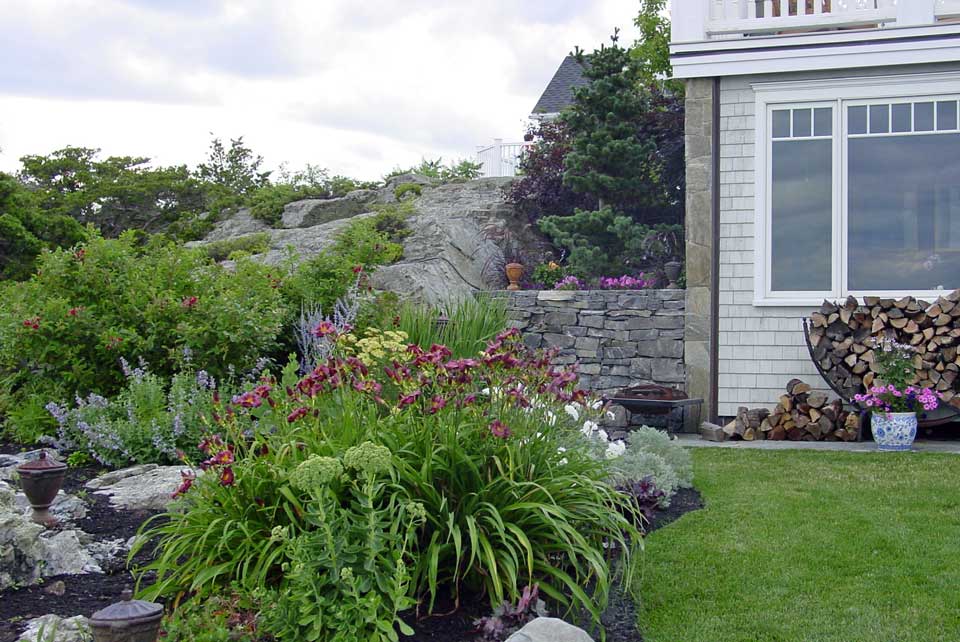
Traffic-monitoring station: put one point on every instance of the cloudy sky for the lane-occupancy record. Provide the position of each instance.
(357, 86)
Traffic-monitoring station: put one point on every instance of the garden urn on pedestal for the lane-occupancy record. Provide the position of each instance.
(514, 274)
(127, 621)
(41, 480)
(672, 271)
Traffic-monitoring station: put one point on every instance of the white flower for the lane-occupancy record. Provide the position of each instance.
(561, 449)
(572, 411)
(597, 405)
(616, 449)
(611, 416)
(562, 462)
(590, 427)
(551, 418)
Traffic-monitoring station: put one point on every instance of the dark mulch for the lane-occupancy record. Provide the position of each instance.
(81, 594)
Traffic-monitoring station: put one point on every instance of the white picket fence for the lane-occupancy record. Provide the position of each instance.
(500, 159)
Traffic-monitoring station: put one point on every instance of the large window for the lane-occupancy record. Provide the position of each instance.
(858, 196)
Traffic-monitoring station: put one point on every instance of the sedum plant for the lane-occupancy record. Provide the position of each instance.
(511, 493)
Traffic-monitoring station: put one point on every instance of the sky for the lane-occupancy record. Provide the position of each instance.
(355, 86)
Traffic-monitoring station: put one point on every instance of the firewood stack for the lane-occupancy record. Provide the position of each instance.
(802, 414)
(843, 339)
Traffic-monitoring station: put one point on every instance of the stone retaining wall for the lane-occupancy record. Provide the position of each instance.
(621, 338)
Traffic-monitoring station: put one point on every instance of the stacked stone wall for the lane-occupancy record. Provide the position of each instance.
(620, 338)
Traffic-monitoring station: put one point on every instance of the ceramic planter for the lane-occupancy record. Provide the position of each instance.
(894, 431)
(514, 274)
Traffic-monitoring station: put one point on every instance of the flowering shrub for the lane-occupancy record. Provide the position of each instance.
(483, 444)
(152, 420)
(624, 282)
(69, 325)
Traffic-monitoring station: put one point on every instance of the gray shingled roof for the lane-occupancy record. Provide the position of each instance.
(559, 93)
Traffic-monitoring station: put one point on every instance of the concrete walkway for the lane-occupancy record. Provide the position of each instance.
(695, 441)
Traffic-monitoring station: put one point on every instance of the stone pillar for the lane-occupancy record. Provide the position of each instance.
(700, 248)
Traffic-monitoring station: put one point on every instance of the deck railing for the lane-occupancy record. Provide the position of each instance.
(500, 159)
(706, 19)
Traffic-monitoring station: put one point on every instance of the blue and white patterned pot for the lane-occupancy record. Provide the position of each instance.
(894, 431)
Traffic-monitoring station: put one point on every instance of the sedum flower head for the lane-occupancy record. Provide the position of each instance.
(368, 457)
(316, 471)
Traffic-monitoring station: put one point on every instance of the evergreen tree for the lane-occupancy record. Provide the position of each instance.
(608, 159)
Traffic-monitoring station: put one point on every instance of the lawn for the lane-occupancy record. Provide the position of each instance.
(810, 547)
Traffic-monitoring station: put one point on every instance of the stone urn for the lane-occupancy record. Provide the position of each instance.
(127, 621)
(894, 431)
(41, 480)
(514, 274)
(672, 271)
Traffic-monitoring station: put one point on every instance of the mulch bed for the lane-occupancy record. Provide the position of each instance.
(85, 594)
(70, 595)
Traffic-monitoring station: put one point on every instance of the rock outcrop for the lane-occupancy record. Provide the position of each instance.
(454, 232)
(29, 552)
(146, 487)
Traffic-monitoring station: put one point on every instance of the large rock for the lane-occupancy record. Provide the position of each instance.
(318, 211)
(240, 224)
(444, 256)
(549, 629)
(52, 628)
(146, 487)
(29, 552)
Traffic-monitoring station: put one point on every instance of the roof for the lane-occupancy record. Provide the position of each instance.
(559, 93)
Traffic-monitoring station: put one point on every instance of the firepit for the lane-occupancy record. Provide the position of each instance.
(654, 400)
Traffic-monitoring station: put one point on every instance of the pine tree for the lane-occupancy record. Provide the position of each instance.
(609, 160)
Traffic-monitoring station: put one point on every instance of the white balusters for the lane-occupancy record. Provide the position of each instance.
(732, 17)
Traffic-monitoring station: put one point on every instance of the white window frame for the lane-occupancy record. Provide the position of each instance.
(838, 94)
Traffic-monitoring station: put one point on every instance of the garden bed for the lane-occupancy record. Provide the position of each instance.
(70, 595)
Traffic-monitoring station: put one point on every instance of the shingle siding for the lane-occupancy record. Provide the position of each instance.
(761, 348)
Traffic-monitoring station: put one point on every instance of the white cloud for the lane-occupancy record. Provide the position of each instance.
(358, 87)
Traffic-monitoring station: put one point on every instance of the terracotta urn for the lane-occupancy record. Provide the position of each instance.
(514, 274)
(127, 621)
(41, 480)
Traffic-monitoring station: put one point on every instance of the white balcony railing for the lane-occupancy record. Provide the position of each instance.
(761, 16)
(696, 20)
(500, 159)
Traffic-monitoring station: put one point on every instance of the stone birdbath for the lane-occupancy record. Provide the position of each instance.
(41, 480)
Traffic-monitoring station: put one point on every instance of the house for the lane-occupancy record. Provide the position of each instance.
(823, 160)
(503, 158)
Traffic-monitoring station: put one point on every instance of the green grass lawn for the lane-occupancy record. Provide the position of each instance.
(810, 546)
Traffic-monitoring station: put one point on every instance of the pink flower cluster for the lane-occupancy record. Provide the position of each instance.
(889, 398)
(569, 283)
(624, 282)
